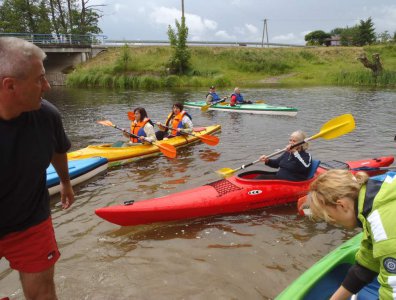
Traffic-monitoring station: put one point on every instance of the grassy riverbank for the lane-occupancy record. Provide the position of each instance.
(144, 67)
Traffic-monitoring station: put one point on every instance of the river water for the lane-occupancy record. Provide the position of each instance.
(251, 255)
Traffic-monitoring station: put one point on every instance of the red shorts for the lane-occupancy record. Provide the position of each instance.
(33, 250)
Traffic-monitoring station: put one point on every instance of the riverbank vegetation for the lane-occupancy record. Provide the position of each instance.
(145, 67)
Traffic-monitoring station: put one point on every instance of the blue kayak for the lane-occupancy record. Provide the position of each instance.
(80, 170)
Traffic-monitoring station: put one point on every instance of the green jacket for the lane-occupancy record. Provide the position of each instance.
(377, 213)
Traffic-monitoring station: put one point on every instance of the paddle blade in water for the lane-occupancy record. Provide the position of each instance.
(336, 127)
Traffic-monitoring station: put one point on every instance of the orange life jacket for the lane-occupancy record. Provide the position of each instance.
(176, 122)
(137, 128)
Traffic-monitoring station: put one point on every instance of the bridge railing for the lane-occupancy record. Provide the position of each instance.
(56, 40)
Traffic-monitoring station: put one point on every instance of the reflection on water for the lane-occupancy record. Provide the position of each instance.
(252, 255)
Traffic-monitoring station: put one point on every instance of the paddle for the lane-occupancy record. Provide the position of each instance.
(334, 128)
(207, 139)
(166, 149)
(207, 106)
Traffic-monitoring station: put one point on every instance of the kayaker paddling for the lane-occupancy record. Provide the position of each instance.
(178, 121)
(294, 164)
(141, 126)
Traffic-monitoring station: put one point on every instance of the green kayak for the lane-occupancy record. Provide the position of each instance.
(322, 279)
(254, 108)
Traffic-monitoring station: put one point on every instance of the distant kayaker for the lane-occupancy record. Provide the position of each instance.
(31, 137)
(212, 96)
(141, 126)
(294, 164)
(237, 98)
(352, 201)
(178, 121)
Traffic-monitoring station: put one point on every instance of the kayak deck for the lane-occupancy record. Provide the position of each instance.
(322, 279)
(79, 171)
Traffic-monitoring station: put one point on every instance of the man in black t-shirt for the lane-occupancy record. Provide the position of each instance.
(31, 137)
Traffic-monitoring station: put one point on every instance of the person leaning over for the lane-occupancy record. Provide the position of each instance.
(178, 121)
(339, 197)
(212, 96)
(294, 164)
(31, 137)
(142, 127)
(237, 98)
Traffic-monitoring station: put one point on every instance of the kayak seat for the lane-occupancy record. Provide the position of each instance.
(314, 166)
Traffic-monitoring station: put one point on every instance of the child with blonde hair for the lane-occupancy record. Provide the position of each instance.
(341, 198)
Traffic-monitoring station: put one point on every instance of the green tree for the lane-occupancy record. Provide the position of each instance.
(180, 60)
(317, 37)
(366, 33)
(49, 16)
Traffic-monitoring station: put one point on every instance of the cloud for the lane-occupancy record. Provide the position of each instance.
(198, 27)
(223, 35)
(251, 28)
(387, 20)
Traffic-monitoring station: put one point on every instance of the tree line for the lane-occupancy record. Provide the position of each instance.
(49, 16)
(359, 35)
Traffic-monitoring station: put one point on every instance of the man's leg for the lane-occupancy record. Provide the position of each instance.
(39, 285)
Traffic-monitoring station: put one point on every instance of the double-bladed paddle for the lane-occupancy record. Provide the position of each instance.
(334, 128)
(205, 138)
(210, 140)
(166, 149)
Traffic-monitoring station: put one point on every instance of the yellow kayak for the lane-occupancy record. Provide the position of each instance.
(123, 155)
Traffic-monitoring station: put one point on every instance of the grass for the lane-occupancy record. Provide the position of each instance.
(144, 67)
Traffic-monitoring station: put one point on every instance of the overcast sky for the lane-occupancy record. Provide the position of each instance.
(288, 21)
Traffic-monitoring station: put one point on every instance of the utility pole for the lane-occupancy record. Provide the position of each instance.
(182, 8)
(265, 32)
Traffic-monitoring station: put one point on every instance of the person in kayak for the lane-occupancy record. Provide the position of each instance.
(31, 137)
(237, 98)
(178, 121)
(212, 97)
(141, 126)
(294, 164)
(352, 201)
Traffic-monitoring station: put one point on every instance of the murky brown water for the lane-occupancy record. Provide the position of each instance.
(252, 255)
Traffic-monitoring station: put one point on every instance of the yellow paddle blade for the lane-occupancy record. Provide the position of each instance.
(225, 172)
(259, 101)
(336, 127)
(205, 107)
(106, 123)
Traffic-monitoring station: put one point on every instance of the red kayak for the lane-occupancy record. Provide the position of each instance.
(235, 194)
